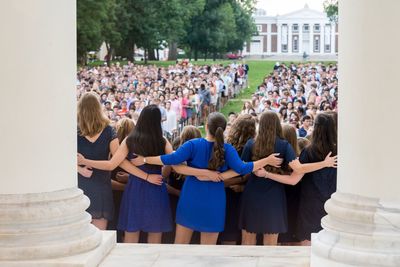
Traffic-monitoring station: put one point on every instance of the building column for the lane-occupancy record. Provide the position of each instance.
(322, 39)
(311, 48)
(42, 212)
(290, 38)
(279, 38)
(300, 38)
(333, 36)
(362, 227)
(269, 42)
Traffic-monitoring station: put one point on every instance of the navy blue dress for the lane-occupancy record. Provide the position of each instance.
(232, 231)
(263, 209)
(315, 189)
(202, 204)
(145, 206)
(98, 187)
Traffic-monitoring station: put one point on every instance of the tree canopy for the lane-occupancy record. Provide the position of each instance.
(209, 27)
(331, 8)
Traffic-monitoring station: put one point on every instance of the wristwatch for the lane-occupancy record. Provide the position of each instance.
(144, 160)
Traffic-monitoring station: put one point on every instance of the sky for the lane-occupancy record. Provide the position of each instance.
(281, 7)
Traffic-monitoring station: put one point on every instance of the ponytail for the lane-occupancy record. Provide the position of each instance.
(218, 155)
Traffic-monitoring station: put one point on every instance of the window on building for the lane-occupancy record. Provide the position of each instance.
(327, 38)
(259, 28)
(327, 48)
(316, 28)
(284, 38)
(295, 27)
(306, 28)
(295, 44)
(316, 44)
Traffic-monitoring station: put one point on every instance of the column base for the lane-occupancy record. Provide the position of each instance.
(358, 231)
(89, 259)
(46, 225)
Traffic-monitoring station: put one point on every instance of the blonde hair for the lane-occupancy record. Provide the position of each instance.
(91, 119)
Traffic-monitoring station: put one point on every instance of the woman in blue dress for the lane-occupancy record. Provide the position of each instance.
(316, 186)
(263, 209)
(145, 203)
(202, 204)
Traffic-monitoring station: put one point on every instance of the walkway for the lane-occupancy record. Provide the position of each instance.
(197, 256)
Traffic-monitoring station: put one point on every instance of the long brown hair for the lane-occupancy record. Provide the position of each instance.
(124, 127)
(324, 137)
(216, 124)
(189, 132)
(242, 129)
(269, 128)
(91, 118)
(289, 134)
(264, 144)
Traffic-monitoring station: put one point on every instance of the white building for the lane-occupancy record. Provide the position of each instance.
(305, 30)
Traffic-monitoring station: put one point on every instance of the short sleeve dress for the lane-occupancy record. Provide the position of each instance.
(263, 208)
(315, 189)
(98, 187)
(202, 204)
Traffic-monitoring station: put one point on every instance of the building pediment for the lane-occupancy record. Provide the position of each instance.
(304, 13)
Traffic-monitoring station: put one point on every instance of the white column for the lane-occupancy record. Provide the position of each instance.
(279, 38)
(300, 38)
(311, 48)
(290, 42)
(363, 223)
(269, 42)
(333, 38)
(42, 213)
(322, 38)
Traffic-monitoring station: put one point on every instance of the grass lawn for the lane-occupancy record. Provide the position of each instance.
(258, 70)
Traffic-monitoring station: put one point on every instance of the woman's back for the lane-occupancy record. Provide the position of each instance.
(197, 154)
(97, 150)
(322, 182)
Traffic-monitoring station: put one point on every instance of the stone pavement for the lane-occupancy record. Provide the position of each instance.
(143, 255)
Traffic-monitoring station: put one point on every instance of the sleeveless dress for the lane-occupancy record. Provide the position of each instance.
(263, 209)
(315, 189)
(98, 187)
(145, 206)
(202, 204)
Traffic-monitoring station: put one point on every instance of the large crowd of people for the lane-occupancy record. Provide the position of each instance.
(185, 93)
(258, 177)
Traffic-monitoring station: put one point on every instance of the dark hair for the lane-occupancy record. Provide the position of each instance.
(216, 125)
(305, 117)
(323, 138)
(147, 139)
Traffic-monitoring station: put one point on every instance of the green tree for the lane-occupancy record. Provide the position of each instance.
(331, 8)
(90, 15)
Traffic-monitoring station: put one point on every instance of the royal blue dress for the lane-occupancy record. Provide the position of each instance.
(263, 208)
(202, 204)
(145, 206)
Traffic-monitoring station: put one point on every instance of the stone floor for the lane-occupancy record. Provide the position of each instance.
(195, 255)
